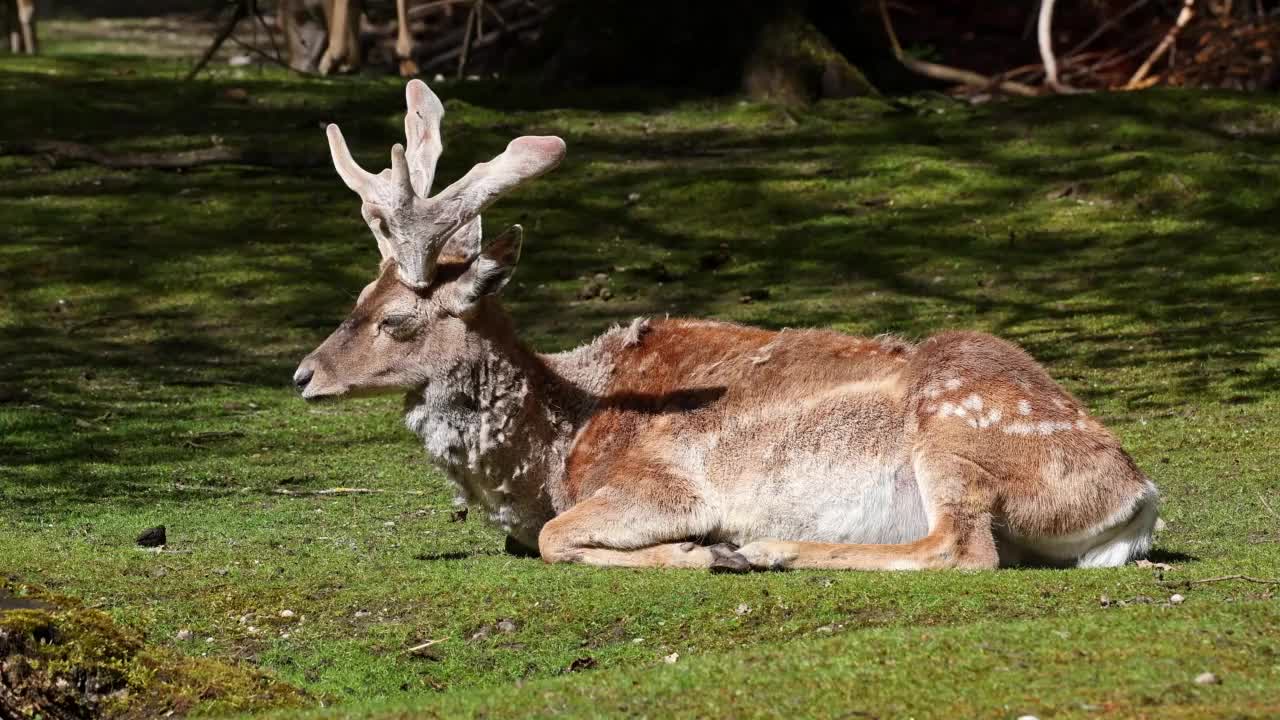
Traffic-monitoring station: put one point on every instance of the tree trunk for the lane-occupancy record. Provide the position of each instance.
(772, 49)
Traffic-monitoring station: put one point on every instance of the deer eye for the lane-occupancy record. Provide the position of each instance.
(398, 324)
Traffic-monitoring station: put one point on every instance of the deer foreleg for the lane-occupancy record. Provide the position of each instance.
(615, 528)
(27, 21)
(960, 535)
(404, 41)
(343, 18)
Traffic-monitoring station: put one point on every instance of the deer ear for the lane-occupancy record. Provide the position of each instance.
(493, 266)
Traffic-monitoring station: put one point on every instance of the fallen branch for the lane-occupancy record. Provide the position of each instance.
(172, 160)
(482, 41)
(1044, 38)
(946, 72)
(1184, 17)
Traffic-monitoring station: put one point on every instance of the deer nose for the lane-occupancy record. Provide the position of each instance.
(302, 377)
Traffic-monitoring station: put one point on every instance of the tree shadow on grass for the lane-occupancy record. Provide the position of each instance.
(138, 292)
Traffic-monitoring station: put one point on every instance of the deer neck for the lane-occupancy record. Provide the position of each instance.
(500, 425)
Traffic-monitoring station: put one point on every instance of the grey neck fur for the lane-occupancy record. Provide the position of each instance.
(501, 425)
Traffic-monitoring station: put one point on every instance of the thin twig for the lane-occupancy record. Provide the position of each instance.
(1184, 17)
(221, 37)
(466, 37)
(492, 37)
(342, 491)
(423, 646)
(1104, 27)
(1225, 578)
(276, 60)
(1267, 505)
(946, 72)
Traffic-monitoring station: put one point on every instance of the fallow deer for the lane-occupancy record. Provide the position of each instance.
(324, 35)
(22, 26)
(703, 444)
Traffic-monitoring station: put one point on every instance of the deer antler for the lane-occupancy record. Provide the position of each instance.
(409, 225)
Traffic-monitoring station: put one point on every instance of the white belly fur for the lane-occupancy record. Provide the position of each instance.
(811, 499)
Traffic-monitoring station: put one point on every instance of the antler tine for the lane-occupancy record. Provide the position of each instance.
(356, 177)
(524, 159)
(412, 228)
(422, 134)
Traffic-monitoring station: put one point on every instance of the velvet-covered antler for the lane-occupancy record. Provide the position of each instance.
(409, 225)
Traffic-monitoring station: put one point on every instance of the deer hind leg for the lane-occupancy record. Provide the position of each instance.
(27, 19)
(958, 499)
(614, 528)
(404, 41)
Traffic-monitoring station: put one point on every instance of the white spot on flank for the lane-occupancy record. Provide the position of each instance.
(952, 383)
(949, 409)
(1049, 427)
(1019, 428)
(991, 418)
(973, 402)
(1024, 407)
(932, 392)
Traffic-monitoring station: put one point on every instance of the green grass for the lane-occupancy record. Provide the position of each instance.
(150, 321)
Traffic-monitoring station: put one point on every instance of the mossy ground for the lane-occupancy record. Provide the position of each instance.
(57, 655)
(149, 323)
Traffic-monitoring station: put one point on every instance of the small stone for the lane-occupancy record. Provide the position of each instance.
(286, 613)
(252, 630)
(1028, 717)
(506, 626)
(637, 641)
(153, 537)
(208, 639)
(633, 198)
(672, 658)
(825, 630)
(363, 613)
(1176, 599)
(185, 634)
(1104, 601)
(389, 523)
(743, 609)
(1207, 678)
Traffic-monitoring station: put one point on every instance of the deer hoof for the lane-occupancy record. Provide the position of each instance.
(725, 559)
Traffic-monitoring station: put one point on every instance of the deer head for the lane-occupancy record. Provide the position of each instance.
(413, 322)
